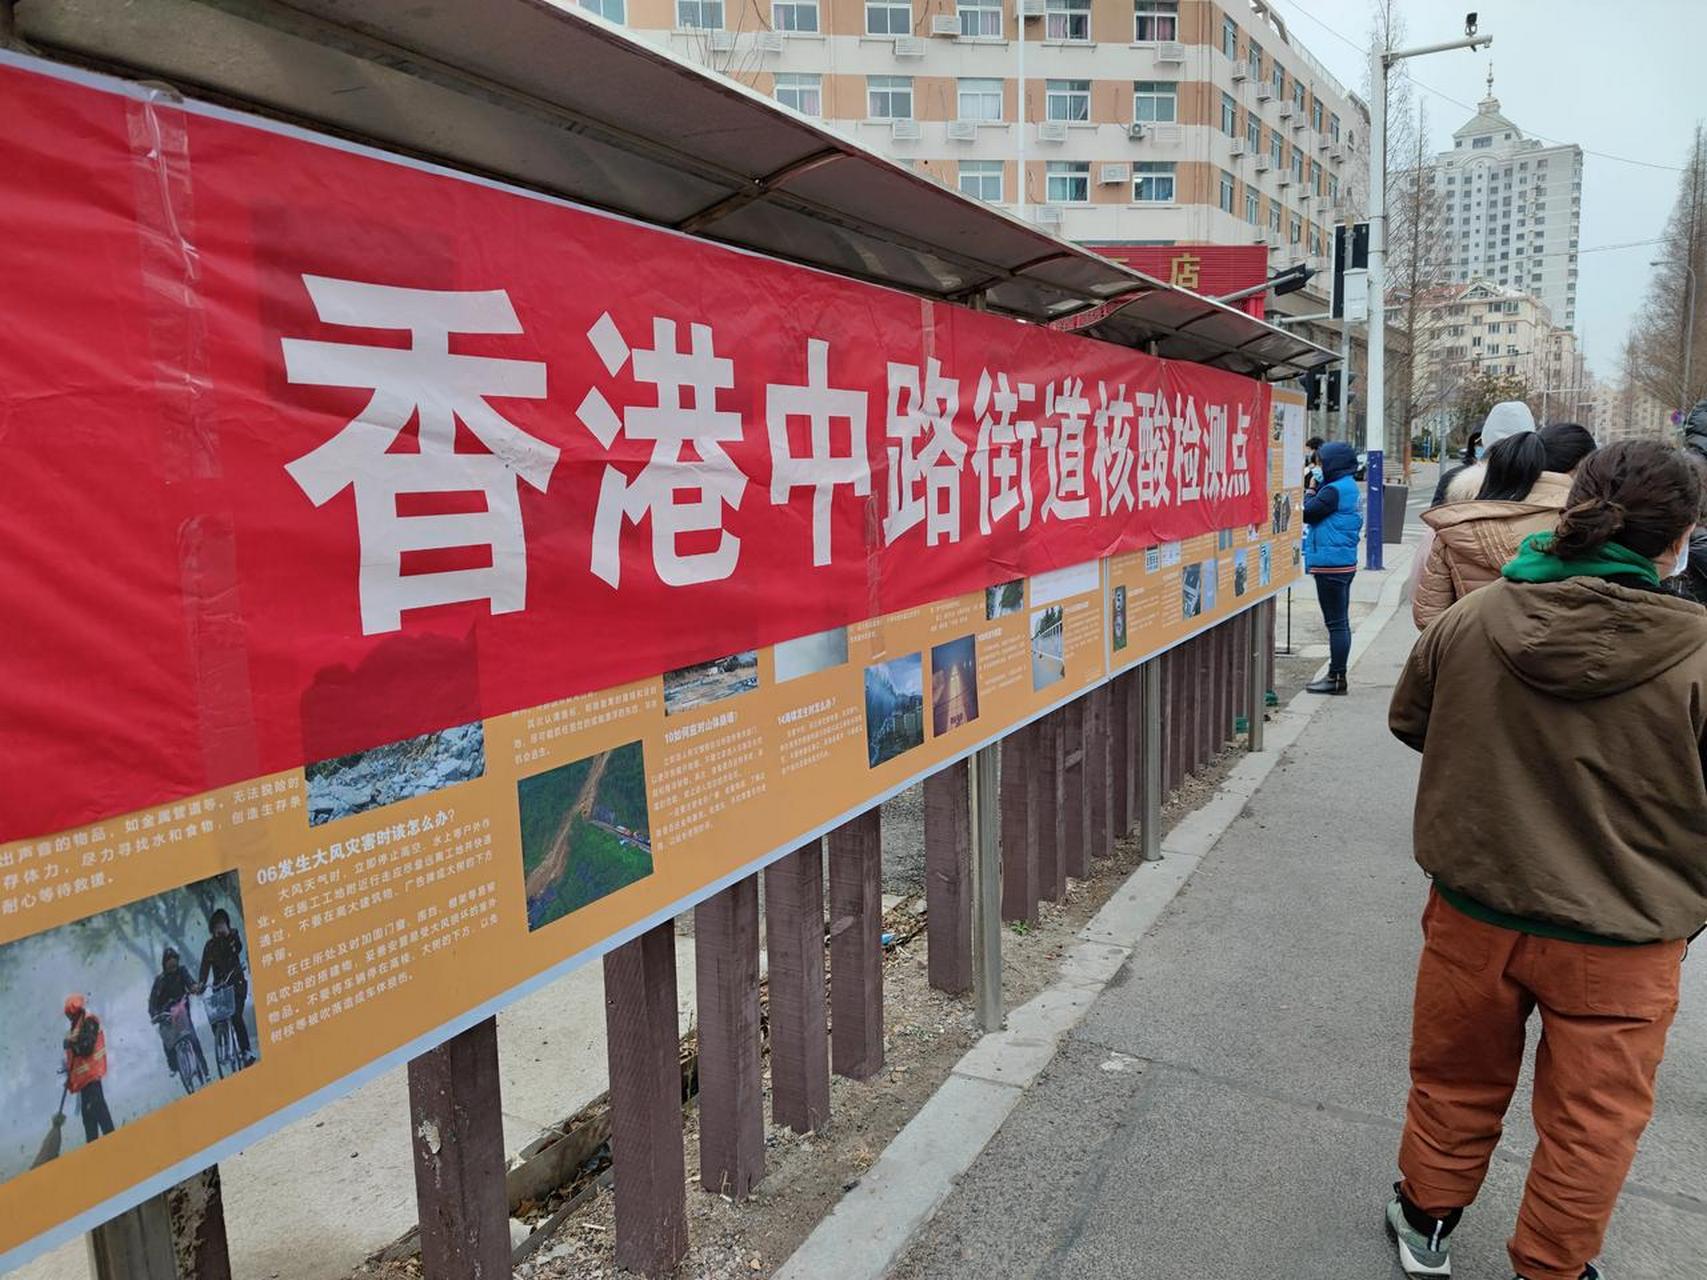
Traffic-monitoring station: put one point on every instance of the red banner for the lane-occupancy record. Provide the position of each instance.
(1214, 270)
(308, 449)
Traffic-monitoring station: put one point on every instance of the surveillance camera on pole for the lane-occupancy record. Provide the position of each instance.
(1375, 432)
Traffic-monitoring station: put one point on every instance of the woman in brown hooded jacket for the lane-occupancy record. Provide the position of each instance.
(1562, 811)
(1524, 487)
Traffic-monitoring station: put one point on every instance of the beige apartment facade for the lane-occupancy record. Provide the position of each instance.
(1148, 121)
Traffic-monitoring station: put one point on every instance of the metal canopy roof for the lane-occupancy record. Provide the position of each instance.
(539, 93)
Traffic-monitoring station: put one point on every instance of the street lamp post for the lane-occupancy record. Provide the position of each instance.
(1375, 429)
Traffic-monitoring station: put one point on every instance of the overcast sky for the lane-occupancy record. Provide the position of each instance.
(1623, 79)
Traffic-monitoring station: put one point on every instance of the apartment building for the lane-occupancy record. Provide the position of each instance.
(1625, 411)
(1140, 121)
(1512, 209)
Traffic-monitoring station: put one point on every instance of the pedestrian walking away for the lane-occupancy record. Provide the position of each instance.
(1506, 419)
(1524, 487)
(85, 1047)
(1692, 576)
(1333, 519)
(1561, 713)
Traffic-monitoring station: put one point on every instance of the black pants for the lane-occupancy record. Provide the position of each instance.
(1333, 591)
(92, 1104)
(239, 1028)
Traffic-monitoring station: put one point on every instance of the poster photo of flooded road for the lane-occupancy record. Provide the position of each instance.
(954, 685)
(586, 832)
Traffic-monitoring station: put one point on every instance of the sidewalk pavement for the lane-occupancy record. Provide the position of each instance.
(1228, 1108)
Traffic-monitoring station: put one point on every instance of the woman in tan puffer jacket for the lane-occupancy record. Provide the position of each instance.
(1528, 478)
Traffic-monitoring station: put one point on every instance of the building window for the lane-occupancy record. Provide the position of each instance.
(1297, 166)
(1153, 182)
(889, 97)
(1316, 242)
(1253, 208)
(1230, 38)
(1068, 20)
(609, 10)
(980, 20)
(981, 179)
(1485, 141)
(1296, 235)
(1279, 80)
(1067, 99)
(1155, 101)
(801, 90)
(1298, 97)
(1316, 177)
(1227, 186)
(1277, 149)
(1068, 182)
(1253, 134)
(699, 15)
(1316, 114)
(1253, 61)
(794, 15)
(1274, 217)
(886, 18)
(1229, 116)
(1334, 129)
(1155, 20)
(981, 100)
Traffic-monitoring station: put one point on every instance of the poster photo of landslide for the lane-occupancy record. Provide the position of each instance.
(954, 685)
(586, 832)
(110, 962)
(1048, 647)
(1004, 598)
(693, 686)
(811, 654)
(894, 708)
(1118, 625)
(363, 780)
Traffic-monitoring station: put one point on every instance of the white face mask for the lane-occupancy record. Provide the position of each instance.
(1682, 557)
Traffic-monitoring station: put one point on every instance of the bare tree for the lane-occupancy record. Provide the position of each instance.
(1662, 326)
(1417, 255)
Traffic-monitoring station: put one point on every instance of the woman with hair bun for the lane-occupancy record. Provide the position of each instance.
(1561, 713)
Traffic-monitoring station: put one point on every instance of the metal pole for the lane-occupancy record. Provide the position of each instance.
(1345, 381)
(1150, 788)
(1019, 20)
(136, 1245)
(986, 889)
(1375, 380)
(1258, 673)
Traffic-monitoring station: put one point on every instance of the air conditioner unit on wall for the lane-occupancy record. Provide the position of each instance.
(1284, 110)
(1052, 131)
(1283, 178)
(1170, 51)
(909, 47)
(1264, 93)
(1111, 174)
(1237, 149)
(1034, 8)
(769, 42)
(945, 24)
(906, 130)
(1263, 164)
(1137, 130)
(1239, 72)
(1049, 213)
(963, 130)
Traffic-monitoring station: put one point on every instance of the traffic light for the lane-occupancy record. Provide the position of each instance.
(1312, 390)
(1351, 253)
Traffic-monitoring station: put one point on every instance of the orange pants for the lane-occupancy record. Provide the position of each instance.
(1605, 1012)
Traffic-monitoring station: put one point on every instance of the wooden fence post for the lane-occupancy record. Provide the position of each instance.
(731, 1071)
(456, 1120)
(794, 939)
(645, 1103)
(1051, 839)
(1119, 757)
(1019, 807)
(948, 879)
(856, 946)
(1075, 792)
(1176, 725)
(1150, 784)
(1099, 781)
(198, 1224)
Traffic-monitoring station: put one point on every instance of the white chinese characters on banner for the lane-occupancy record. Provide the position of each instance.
(1064, 450)
(681, 494)
(429, 381)
(925, 454)
(1115, 462)
(1002, 458)
(820, 468)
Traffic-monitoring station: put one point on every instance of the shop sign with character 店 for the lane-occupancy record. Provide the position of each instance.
(398, 563)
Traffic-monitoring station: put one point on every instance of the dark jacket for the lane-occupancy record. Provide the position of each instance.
(1332, 515)
(168, 989)
(1692, 582)
(1563, 727)
(220, 958)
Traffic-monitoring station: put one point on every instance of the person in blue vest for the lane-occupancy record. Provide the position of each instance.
(1333, 521)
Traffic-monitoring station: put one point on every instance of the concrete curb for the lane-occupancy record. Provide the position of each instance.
(867, 1231)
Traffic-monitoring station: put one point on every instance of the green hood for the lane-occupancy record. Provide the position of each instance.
(1535, 562)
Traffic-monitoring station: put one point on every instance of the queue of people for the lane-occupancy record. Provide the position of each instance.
(1558, 696)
